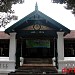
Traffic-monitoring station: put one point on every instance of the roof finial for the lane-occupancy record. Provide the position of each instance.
(36, 7)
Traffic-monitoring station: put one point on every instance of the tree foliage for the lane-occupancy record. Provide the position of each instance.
(6, 5)
(6, 14)
(70, 4)
(58, 1)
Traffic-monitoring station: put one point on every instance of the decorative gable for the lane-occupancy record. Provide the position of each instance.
(37, 27)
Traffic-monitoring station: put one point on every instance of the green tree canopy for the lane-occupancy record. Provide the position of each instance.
(70, 4)
(5, 7)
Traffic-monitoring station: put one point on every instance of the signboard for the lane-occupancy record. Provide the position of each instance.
(38, 43)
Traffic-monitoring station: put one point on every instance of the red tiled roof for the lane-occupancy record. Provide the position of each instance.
(71, 35)
(3, 35)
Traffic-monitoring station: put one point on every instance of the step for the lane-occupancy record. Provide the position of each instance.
(36, 69)
(36, 74)
(37, 65)
(37, 60)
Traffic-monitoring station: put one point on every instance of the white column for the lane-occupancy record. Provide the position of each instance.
(60, 45)
(60, 49)
(12, 46)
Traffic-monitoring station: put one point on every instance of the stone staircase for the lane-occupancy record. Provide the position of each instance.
(36, 67)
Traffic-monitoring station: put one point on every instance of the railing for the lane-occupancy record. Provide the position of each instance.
(66, 64)
(21, 61)
(6, 65)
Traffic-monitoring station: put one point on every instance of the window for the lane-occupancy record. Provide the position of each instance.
(4, 48)
(69, 47)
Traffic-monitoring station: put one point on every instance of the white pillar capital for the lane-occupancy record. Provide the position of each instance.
(13, 34)
(60, 33)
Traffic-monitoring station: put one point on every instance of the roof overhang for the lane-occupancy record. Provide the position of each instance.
(37, 17)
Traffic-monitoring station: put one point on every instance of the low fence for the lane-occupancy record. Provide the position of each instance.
(66, 64)
(6, 65)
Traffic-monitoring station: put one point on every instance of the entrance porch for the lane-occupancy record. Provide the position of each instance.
(35, 51)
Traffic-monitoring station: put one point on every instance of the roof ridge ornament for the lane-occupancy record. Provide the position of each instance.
(36, 7)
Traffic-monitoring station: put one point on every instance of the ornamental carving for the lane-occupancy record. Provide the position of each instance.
(37, 27)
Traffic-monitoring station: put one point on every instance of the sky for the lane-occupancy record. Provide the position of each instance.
(53, 10)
